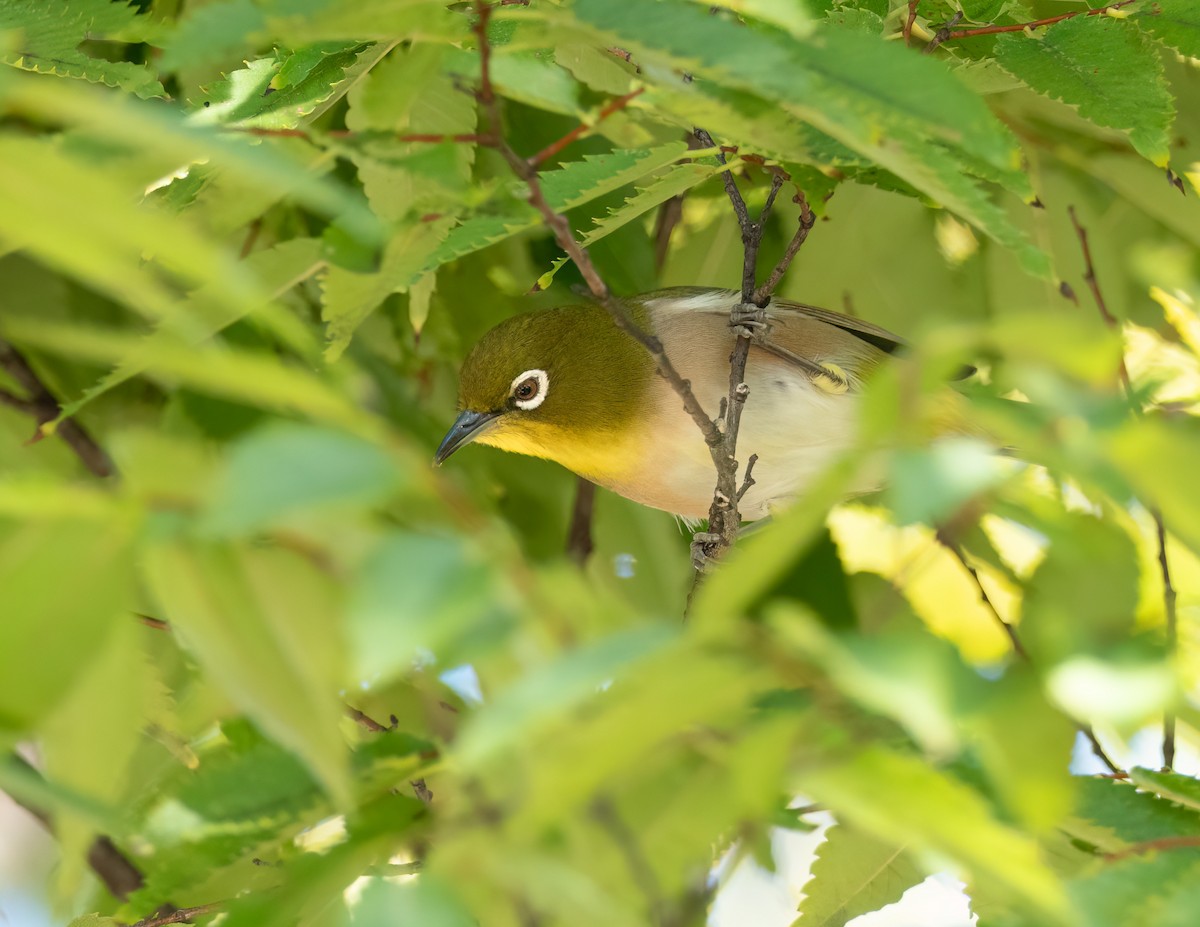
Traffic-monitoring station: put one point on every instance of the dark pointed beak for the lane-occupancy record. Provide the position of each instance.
(463, 431)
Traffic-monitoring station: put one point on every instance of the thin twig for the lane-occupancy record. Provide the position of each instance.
(367, 721)
(943, 34)
(421, 790)
(1172, 629)
(113, 868)
(1021, 27)
(746, 319)
(669, 215)
(607, 110)
(44, 407)
(182, 916)
(15, 402)
(607, 816)
(1184, 842)
(807, 221)
(747, 479)
(1010, 630)
(579, 535)
(908, 22)
(1018, 647)
(1160, 527)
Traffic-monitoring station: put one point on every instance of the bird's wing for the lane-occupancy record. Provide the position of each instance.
(834, 350)
(878, 337)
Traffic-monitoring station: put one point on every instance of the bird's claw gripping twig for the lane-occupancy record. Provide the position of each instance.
(750, 322)
(704, 545)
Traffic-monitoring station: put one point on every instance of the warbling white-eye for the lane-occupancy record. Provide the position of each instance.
(568, 385)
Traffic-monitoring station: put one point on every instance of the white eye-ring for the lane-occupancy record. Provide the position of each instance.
(529, 389)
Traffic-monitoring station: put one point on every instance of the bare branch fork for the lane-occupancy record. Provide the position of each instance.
(748, 320)
(1018, 646)
(44, 407)
(1169, 605)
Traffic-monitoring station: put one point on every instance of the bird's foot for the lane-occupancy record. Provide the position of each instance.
(704, 546)
(749, 322)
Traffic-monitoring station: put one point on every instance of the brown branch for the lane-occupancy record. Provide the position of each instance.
(943, 34)
(182, 916)
(1010, 630)
(669, 215)
(747, 319)
(112, 867)
(607, 110)
(421, 790)
(1160, 527)
(579, 535)
(368, 722)
(807, 221)
(607, 816)
(1017, 645)
(908, 22)
(44, 407)
(16, 402)
(1184, 842)
(1021, 27)
(1172, 629)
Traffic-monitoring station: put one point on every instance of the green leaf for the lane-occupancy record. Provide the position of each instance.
(854, 873)
(51, 33)
(90, 739)
(105, 245)
(870, 95)
(550, 693)
(1070, 609)
(94, 920)
(276, 472)
(278, 270)
(212, 34)
(298, 22)
(1114, 814)
(418, 594)
(1173, 22)
(596, 68)
(249, 97)
(166, 133)
(265, 624)
(1157, 457)
(673, 182)
(1173, 786)
(426, 901)
(255, 377)
(1161, 889)
(900, 799)
(348, 298)
(1110, 72)
(573, 185)
(63, 623)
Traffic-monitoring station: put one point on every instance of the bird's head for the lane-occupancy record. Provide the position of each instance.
(563, 384)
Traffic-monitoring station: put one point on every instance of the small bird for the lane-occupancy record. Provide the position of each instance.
(568, 385)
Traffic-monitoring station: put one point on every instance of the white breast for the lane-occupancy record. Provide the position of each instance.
(795, 428)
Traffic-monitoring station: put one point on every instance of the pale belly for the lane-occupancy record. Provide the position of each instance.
(794, 427)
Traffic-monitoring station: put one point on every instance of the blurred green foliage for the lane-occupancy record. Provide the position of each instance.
(246, 242)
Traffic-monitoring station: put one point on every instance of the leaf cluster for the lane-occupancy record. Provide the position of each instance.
(246, 245)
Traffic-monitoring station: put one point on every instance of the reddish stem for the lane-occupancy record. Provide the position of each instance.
(1021, 27)
(609, 108)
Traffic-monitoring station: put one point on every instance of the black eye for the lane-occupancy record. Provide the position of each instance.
(526, 389)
